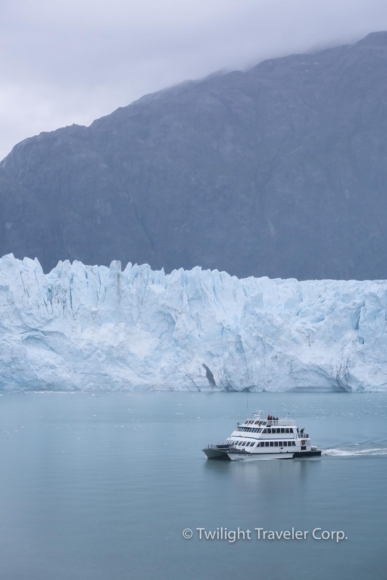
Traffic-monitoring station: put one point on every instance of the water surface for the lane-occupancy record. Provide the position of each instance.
(97, 487)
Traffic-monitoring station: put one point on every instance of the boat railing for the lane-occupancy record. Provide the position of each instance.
(281, 422)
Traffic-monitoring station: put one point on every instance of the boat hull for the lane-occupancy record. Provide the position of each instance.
(301, 454)
(216, 453)
(229, 455)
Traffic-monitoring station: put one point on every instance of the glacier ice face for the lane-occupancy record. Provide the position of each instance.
(93, 327)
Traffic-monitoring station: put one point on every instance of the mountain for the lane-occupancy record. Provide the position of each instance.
(90, 327)
(280, 171)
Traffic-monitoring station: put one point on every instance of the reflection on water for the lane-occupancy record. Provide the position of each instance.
(97, 487)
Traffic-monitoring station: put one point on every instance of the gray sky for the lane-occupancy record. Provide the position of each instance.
(72, 61)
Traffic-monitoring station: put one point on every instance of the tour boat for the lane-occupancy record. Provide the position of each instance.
(270, 438)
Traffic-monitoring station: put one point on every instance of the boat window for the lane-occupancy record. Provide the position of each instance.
(285, 443)
(271, 444)
(282, 430)
(269, 430)
(286, 430)
(275, 443)
(266, 444)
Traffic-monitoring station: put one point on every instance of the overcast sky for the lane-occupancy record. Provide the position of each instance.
(72, 61)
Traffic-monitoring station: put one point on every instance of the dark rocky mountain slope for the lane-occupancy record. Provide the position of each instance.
(277, 171)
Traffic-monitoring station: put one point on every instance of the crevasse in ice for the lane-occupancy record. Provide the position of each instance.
(93, 327)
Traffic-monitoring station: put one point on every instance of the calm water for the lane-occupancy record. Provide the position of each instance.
(101, 487)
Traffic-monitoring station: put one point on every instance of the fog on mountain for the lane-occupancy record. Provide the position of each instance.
(278, 171)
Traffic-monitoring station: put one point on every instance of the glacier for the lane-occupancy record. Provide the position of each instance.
(103, 328)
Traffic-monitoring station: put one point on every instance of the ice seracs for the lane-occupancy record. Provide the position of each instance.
(272, 438)
(94, 327)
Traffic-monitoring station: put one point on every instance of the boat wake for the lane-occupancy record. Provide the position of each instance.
(355, 451)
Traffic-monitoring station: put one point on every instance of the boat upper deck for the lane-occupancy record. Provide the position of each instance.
(274, 422)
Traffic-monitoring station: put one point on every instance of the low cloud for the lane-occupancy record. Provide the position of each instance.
(73, 61)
